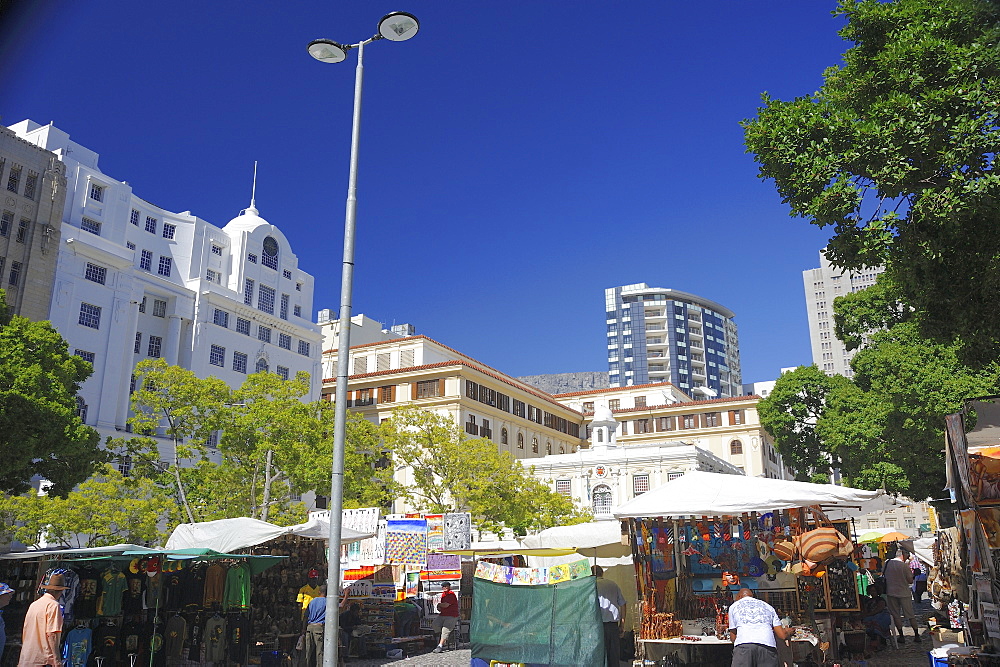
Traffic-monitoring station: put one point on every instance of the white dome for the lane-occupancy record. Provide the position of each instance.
(248, 220)
(603, 414)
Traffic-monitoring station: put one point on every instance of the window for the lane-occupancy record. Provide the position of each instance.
(503, 436)
(159, 308)
(614, 404)
(890, 522)
(711, 418)
(150, 224)
(221, 318)
(242, 326)
(251, 257)
(640, 401)
(642, 426)
(138, 346)
(213, 276)
(689, 421)
(134, 217)
(265, 299)
(640, 484)
(282, 372)
(88, 225)
(601, 500)
(169, 230)
(471, 427)
(520, 441)
(430, 388)
(6, 220)
(671, 476)
(534, 445)
(96, 191)
(142, 305)
(364, 397)
(217, 355)
(264, 333)
(153, 349)
(287, 274)
(124, 465)
(262, 366)
(735, 447)
(283, 313)
(269, 254)
(217, 250)
(304, 348)
(298, 287)
(564, 487)
(31, 184)
(360, 365)
(130, 245)
(736, 417)
(548, 448)
(588, 406)
(248, 291)
(81, 409)
(15, 274)
(90, 315)
(166, 264)
(284, 341)
(239, 362)
(146, 260)
(95, 273)
(387, 394)
(86, 356)
(297, 311)
(14, 177)
(664, 423)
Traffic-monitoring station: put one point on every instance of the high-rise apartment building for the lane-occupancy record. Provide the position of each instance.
(823, 285)
(134, 281)
(33, 185)
(664, 335)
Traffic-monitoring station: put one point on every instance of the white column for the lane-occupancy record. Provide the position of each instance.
(125, 381)
(173, 339)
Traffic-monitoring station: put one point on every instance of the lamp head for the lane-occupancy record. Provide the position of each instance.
(327, 51)
(398, 26)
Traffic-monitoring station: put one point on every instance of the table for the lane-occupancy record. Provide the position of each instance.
(705, 651)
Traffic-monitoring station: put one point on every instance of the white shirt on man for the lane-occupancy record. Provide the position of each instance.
(754, 621)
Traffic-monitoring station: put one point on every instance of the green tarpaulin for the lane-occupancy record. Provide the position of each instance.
(557, 625)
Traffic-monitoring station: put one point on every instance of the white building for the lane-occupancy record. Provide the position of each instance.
(823, 285)
(606, 474)
(135, 281)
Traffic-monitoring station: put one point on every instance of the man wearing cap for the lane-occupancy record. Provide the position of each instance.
(447, 618)
(6, 594)
(42, 632)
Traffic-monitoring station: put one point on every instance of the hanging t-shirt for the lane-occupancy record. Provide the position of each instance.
(215, 585)
(106, 641)
(194, 585)
(215, 639)
(174, 635)
(68, 599)
(195, 635)
(132, 600)
(86, 599)
(237, 595)
(154, 589)
(133, 638)
(239, 638)
(112, 589)
(79, 644)
(173, 591)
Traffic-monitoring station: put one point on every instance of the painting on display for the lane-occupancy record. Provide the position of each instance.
(457, 531)
(406, 541)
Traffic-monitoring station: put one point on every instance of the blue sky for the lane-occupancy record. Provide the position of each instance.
(516, 157)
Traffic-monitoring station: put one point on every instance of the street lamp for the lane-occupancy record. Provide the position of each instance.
(395, 27)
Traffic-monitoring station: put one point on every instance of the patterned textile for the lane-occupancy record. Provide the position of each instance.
(457, 531)
(406, 541)
(435, 532)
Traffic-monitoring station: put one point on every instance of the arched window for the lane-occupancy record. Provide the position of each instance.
(125, 465)
(520, 441)
(548, 447)
(503, 436)
(81, 409)
(262, 365)
(735, 447)
(534, 445)
(562, 449)
(601, 500)
(600, 435)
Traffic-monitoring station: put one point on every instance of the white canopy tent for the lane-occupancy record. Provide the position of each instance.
(598, 539)
(712, 494)
(227, 535)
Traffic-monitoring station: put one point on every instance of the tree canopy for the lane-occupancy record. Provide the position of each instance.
(453, 472)
(896, 152)
(40, 431)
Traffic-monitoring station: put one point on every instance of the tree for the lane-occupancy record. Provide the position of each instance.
(452, 472)
(790, 415)
(40, 431)
(106, 509)
(896, 152)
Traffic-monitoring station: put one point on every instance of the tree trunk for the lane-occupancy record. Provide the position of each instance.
(268, 479)
(181, 496)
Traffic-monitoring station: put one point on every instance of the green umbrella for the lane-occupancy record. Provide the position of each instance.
(872, 536)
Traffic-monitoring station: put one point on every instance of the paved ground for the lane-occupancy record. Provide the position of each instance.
(460, 658)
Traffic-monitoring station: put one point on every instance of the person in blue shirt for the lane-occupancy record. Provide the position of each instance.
(312, 631)
(6, 595)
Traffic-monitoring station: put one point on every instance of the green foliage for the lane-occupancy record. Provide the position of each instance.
(452, 472)
(40, 432)
(106, 509)
(896, 153)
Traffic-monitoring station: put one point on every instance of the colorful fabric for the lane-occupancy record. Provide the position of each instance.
(406, 541)
(215, 639)
(76, 650)
(112, 589)
(237, 594)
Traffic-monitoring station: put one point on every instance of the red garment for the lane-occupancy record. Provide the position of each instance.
(452, 600)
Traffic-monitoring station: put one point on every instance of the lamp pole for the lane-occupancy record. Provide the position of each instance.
(396, 27)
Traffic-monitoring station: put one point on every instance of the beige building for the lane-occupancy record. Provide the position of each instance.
(33, 186)
(650, 414)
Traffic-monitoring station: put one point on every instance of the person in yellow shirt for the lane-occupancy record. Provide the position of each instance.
(309, 591)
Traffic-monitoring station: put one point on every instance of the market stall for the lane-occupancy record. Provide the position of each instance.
(696, 540)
